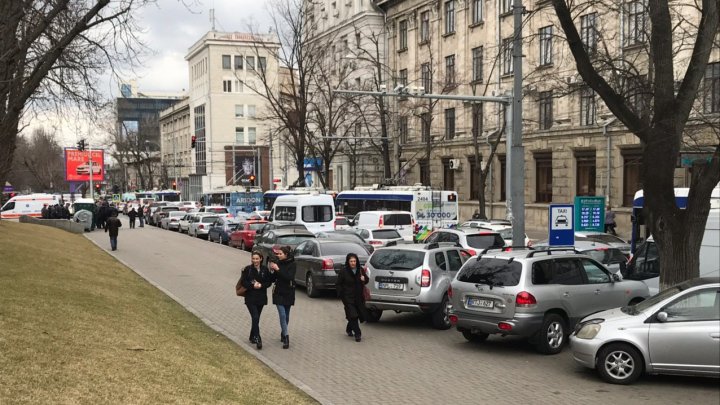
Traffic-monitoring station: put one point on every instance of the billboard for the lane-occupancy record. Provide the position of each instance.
(78, 165)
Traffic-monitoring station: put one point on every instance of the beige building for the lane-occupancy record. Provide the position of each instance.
(227, 114)
(176, 148)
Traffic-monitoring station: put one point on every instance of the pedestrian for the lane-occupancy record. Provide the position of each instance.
(66, 211)
(350, 283)
(45, 212)
(477, 215)
(256, 278)
(610, 221)
(112, 225)
(132, 214)
(141, 215)
(283, 296)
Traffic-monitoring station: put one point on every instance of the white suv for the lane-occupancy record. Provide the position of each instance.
(401, 221)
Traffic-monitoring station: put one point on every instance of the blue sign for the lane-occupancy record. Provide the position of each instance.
(313, 163)
(590, 214)
(561, 230)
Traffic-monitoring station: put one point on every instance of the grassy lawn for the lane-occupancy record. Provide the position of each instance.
(76, 326)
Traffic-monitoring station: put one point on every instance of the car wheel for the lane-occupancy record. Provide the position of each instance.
(441, 317)
(310, 289)
(242, 245)
(619, 363)
(474, 337)
(551, 337)
(374, 314)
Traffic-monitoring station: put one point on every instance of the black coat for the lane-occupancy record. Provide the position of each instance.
(132, 214)
(249, 275)
(113, 224)
(284, 290)
(350, 290)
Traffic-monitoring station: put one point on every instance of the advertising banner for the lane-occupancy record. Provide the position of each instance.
(78, 165)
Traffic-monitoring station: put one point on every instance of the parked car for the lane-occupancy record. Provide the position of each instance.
(318, 261)
(244, 236)
(413, 278)
(184, 222)
(505, 231)
(612, 258)
(259, 215)
(200, 225)
(471, 240)
(218, 210)
(172, 220)
(162, 212)
(188, 206)
(289, 237)
(674, 332)
(401, 221)
(380, 237)
(274, 225)
(348, 236)
(220, 231)
(536, 294)
(606, 238)
(150, 210)
(341, 223)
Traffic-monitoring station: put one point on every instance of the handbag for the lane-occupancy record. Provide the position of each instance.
(366, 290)
(240, 289)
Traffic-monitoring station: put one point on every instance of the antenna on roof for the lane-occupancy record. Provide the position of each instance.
(212, 18)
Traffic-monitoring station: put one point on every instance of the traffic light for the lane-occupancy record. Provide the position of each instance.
(81, 145)
(174, 185)
(193, 140)
(97, 187)
(252, 179)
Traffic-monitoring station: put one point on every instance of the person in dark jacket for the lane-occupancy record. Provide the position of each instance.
(45, 212)
(284, 291)
(141, 215)
(112, 225)
(350, 283)
(257, 279)
(132, 214)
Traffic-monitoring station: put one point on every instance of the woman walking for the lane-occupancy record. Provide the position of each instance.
(256, 278)
(284, 290)
(350, 284)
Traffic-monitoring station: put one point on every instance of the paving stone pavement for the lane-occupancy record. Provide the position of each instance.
(401, 359)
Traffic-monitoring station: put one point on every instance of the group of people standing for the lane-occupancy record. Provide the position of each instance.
(279, 274)
(57, 211)
(139, 213)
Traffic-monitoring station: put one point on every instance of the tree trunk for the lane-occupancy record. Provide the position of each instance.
(482, 176)
(8, 138)
(385, 144)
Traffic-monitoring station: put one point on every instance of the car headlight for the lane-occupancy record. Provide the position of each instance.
(589, 329)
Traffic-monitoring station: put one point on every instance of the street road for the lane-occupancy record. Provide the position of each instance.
(401, 359)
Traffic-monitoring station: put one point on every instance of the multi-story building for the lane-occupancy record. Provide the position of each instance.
(230, 122)
(176, 144)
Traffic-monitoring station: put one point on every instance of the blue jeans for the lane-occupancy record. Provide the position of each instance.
(284, 313)
(113, 242)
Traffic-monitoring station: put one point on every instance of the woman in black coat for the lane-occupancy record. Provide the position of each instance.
(284, 291)
(350, 283)
(257, 279)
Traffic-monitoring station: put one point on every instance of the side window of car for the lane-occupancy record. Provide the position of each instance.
(440, 260)
(703, 305)
(454, 260)
(270, 237)
(451, 237)
(595, 275)
(300, 248)
(433, 237)
(566, 272)
(542, 272)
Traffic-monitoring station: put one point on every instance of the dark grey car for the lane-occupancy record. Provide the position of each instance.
(318, 261)
(286, 237)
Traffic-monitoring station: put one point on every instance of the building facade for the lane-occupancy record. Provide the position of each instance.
(176, 144)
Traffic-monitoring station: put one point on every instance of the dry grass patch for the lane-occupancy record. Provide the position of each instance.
(76, 326)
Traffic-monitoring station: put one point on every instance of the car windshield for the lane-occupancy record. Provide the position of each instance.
(643, 305)
(397, 219)
(386, 234)
(256, 227)
(342, 249)
(480, 241)
(392, 259)
(490, 271)
(293, 239)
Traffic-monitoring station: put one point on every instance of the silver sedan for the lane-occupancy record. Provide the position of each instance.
(674, 332)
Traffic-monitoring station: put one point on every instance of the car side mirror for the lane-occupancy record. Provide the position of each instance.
(615, 278)
(662, 316)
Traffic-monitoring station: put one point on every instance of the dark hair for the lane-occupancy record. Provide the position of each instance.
(256, 252)
(348, 257)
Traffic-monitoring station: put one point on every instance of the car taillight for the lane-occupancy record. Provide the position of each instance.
(425, 278)
(381, 222)
(450, 292)
(504, 326)
(335, 224)
(453, 319)
(201, 226)
(375, 242)
(525, 299)
(472, 252)
(327, 264)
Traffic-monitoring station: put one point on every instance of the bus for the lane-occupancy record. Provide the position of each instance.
(270, 195)
(235, 199)
(432, 209)
(639, 229)
(158, 195)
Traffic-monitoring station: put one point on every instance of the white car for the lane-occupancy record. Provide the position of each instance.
(184, 222)
(201, 224)
(473, 240)
(172, 220)
(505, 232)
(85, 168)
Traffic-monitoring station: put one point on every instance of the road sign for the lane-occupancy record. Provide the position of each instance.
(561, 231)
(590, 214)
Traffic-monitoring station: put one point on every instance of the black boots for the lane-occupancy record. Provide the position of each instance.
(258, 342)
(286, 342)
(253, 339)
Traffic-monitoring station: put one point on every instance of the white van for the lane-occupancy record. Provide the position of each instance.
(315, 211)
(30, 205)
(401, 221)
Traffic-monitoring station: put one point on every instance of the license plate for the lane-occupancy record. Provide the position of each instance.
(480, 303)
(391, 286)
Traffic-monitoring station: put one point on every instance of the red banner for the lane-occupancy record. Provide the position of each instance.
(78, 165)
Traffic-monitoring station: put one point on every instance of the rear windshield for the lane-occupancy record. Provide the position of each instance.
(317, 213)
(217, 210)
(293, 239)
(386, 234)
(397, 219)
(491, 271)
(256, 227)
(208, 220)
(342, 249)
(341, 221)
(485, 241)
(391, 259)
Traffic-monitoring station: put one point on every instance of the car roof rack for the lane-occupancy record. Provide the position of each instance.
(550, 250)
(506, 248)
(436, 245)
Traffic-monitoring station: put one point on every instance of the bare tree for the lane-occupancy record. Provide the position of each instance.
(45, 162)
(678, 36)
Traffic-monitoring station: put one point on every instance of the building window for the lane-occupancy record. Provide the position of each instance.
(543, 177)
(477, 64)
(632, 161)
(262, 62)
(546, 51)
(507, 56)
(226, 62)
(402, 28)
(251, 111)
(450, 17)
(238, 86)
(425, 121)
(546, 112)
(250, 61)
(357, 40)
(587, 106)
(448, 176)
(712, 88)
(586, 173)
(505, 6)
(200, 152)
(477, 119)
(636, 16)
(425, 26)
(636, 90)
(252, 136)
(450, 70)
(403, 129)
(239, 110)
(449, 123)
(477, 11)
(424, 172)
(402, 77)
(474, 176)
(503, 173)
(426, 77)
(240, 135)
(227, 86)
(588, 32)
(238, 62)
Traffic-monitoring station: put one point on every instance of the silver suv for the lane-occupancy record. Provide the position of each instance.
(414, 278)
(538, 294)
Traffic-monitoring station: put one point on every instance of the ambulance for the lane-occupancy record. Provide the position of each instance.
(30, 205)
